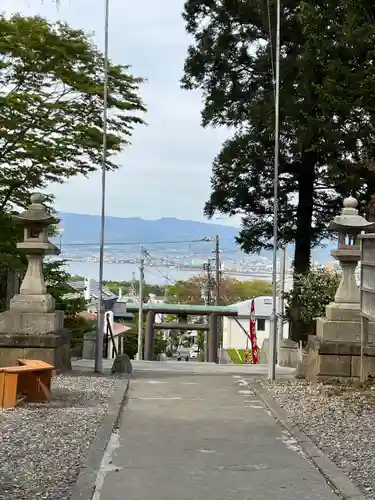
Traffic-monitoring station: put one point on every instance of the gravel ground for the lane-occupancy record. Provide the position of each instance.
(42, 447)
(340, 420)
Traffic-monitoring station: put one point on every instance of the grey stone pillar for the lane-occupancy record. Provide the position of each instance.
(182, 318)
(218, 327)
(212, 339)
(149, 336)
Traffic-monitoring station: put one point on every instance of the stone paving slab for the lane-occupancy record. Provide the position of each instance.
(202, 436)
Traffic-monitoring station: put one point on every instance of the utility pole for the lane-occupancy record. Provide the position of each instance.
(217, 270)
(273, 334)
(207, 268)
(207, 301)
(217, 288)
(140, 310)
(280, 308)
(101, 308)
(166, 288)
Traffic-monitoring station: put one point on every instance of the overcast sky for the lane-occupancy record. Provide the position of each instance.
(166, 172)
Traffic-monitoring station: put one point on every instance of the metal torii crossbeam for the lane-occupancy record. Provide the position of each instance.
(183, 310)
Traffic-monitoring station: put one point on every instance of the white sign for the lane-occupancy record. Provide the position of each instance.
(108, 317)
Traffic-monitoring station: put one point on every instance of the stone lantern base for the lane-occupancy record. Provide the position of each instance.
(342, 322)
(336, 360)
(53, 348)
(35, 323)
(335, 350)
(34, 335)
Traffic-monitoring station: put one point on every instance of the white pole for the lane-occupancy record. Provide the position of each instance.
(273, 333)
(140, 310)
(101, 311)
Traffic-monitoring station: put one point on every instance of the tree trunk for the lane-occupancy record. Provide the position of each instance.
(302, 253)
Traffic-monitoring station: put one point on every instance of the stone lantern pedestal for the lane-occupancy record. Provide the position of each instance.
(335, 349)
(32, 328)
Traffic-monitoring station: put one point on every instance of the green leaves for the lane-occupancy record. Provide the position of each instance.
(327, 111)
(231, 290)
(56, 278)
(51, 106)
(311, 294)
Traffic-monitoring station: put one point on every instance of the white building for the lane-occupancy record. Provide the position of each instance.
(235, 338)
(153, 299)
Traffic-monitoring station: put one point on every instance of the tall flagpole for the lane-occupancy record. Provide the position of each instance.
(273, 333)
(101, 311)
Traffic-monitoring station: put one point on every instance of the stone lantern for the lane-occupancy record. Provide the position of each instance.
(33, 295)
(348, 225)
(32, 328)
(335, 349)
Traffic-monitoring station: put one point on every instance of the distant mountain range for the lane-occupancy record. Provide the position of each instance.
(80, 228)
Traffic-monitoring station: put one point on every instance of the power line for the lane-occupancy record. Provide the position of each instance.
(150, 258)
(130, 243)
(172, 280)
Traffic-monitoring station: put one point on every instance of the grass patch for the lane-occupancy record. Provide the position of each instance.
(237, 356)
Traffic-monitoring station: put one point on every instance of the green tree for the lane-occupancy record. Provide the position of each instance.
(130, 344)
(51, 102)
(67, 300)
(131, 340)
(57, 278)
(327, 112)
(51, 106)
(313, 291)
(231, 290)
(76, 277)
(186, 291)
(161, 344)
(114, 286)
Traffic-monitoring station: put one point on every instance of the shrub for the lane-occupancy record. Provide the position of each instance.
(311, 293)
(78, 326)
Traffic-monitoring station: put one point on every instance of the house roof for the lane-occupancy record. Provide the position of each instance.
(94, 289)
(118, 328)
(119, 310)
(128, 299)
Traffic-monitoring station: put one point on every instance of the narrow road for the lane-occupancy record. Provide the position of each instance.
(203, 437)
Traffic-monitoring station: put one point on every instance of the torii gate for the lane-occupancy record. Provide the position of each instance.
(183, 311)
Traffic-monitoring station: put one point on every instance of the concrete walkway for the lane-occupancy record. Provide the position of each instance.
(202, 437)
(187, 367)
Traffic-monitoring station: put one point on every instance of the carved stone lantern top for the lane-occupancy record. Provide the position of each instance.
(349, 221)
(349, 225)
(36, 212)
(36, 221)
